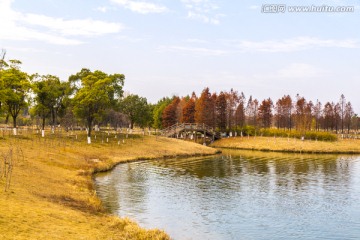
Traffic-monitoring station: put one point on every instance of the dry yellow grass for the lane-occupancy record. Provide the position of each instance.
(289, 145)
(51, 195)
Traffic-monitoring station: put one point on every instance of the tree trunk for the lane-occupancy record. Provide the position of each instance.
(43, 123)
(53, 117)
(14, 121)
(89, 125)
(7, 119)
(131, 124)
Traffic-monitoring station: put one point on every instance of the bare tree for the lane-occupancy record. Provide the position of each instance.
(317, 114)
(342, 106)
(349, 113)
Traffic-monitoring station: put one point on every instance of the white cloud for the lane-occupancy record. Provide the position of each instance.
(102, 9)
(194, 50)
(141, 6)
(202, 10)
(81, 27)
(23, 26)
(302, 71)
(295, 44)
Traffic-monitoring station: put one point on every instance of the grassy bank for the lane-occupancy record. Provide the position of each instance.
(51, 195)
(289, 145)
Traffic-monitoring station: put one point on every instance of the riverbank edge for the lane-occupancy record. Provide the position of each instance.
(290, 150)
(110, 166)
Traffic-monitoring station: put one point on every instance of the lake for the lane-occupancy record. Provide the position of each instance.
(239, 195)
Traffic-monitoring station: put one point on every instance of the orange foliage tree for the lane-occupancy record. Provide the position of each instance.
(188, 112)
(221, 110)
(265, 113)
(169, 115)
(204, 108)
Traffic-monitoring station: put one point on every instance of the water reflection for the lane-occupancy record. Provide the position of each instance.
(240, 195)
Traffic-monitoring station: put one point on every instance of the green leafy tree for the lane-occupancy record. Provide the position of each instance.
(95, 92)
(14, 89)
(49, 93)
(137, 110)
(158, 112)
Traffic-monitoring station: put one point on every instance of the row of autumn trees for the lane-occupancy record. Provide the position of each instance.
(232, 111)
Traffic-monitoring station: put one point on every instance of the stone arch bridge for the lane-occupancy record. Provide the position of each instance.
(190, 131)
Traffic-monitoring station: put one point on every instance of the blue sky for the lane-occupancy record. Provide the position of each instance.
(167, 47)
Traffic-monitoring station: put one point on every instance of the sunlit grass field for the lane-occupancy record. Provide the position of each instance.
(290, 145)
(51, 193)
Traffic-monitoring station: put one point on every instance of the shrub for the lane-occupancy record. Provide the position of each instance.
(310, 135)
(247, 130)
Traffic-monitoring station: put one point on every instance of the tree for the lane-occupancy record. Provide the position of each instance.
(49, 93)
(158, 112)
(349, 113)
(14, 89)
(232, 99)
(189, 110)
(303, 113)
(265, 113)
(212, 117)
(355, 123)
(252, 110)
(337, 116)
(283, 114)
(328, 116)
(204, 108)
(221, 111)
(169, 116)
(342, 106)
(179, 109)
(96, 92)
(137, 109)
(240, 112)
(317, 114)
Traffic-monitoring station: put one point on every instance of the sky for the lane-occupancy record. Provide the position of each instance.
(174, 47)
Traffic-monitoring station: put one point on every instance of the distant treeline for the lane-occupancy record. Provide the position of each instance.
(231, 111)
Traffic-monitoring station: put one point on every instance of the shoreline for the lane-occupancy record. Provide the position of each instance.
(286, 145)
(144, 159)
(292, 151)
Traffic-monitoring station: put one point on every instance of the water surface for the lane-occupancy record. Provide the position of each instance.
(240, 195)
